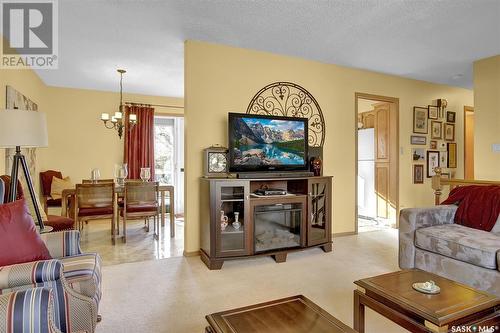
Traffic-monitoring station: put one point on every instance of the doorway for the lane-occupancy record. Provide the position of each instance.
(169, 170)
(376, 162)
(468, 142)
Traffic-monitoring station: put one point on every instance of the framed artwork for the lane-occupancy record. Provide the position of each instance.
(450, 116)
(433, 144)
(436, 130)
(452, 155)
(420, 120)
(418, 154)
(433, 112)
(449, 132)
(443, 159)
(418, 140)
(418, 174)
(432, 162)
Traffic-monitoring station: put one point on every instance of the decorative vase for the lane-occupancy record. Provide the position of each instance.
(223, 220)
(236, 223)
(121, 173)
(145, 174)
(316, 165)
(95, 175)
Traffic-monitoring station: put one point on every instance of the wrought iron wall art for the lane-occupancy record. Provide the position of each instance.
(291, 100)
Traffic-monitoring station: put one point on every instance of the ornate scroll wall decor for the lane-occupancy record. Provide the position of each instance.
(291, 100)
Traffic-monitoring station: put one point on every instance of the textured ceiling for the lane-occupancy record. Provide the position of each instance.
(429, 40)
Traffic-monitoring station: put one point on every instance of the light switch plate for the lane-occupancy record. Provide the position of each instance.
(495, 147)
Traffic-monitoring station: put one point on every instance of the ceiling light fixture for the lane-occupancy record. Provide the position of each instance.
(118, 120)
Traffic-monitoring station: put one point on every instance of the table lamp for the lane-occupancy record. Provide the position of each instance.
(26, 129)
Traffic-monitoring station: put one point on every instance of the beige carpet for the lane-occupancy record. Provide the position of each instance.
(175, 294)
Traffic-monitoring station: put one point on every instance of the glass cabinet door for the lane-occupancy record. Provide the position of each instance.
(318, 230)
(232, 236)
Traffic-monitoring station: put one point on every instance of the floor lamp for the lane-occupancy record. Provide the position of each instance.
(23, 129)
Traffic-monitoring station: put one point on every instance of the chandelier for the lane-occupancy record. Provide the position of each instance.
(117, 121)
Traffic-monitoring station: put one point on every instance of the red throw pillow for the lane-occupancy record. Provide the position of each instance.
(19, 240)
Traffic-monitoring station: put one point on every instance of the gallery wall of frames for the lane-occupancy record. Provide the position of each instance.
(433, 140)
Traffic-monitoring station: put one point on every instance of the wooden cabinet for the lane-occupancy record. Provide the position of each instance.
(232, 200)
(263, 225)
(319, 211)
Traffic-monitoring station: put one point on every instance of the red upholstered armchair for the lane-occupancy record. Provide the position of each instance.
(57, 222)
(45, 188)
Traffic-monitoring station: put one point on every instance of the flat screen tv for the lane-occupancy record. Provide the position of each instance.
(267, 143)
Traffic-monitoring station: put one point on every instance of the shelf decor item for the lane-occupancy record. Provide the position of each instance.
(449, 132)
(215, 162)
(316, 165)
(95, 175)
(236, 224)
(420, 120)
(428, 287)
(436, 130)
(223, 220)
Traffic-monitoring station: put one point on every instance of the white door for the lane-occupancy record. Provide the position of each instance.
(169, 156)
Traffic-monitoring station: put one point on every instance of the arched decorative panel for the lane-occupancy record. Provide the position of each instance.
(291, 100)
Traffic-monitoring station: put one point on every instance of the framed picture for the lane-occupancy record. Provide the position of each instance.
(418, 174)
(433, 112)
(433, 144)
(443, 159)
(452, 155)
(420, 120)
(449, 132)
(450, 116)
(436, 130)
(432, 162)
(418, 154)
(418, 140)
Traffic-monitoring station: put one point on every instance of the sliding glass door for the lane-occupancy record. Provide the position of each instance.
(169, 156)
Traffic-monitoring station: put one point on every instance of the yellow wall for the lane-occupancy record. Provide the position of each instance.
(221, 79)
(487, 118)
(78, 140)
(28, 83)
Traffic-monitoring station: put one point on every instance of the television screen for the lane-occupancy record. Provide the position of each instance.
(260, 143)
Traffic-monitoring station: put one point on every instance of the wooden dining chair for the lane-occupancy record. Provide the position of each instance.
(140, 202)
(95, 202)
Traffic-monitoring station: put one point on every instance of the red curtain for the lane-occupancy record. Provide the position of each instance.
(139, 141)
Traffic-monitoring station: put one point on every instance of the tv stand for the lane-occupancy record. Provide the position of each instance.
(264, 225)
(275, 174)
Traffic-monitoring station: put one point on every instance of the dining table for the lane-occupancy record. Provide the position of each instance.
(68, 204)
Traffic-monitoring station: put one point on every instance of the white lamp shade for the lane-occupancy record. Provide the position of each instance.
(23, 128)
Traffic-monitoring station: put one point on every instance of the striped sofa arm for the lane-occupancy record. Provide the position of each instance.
(28, 311)
(63, 243)
(30, 274)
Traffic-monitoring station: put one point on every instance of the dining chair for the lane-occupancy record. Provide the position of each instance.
(140, 202)
(95, 202)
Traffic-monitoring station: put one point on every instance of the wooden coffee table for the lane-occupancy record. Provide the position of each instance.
(295, 314)
(392, 296)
